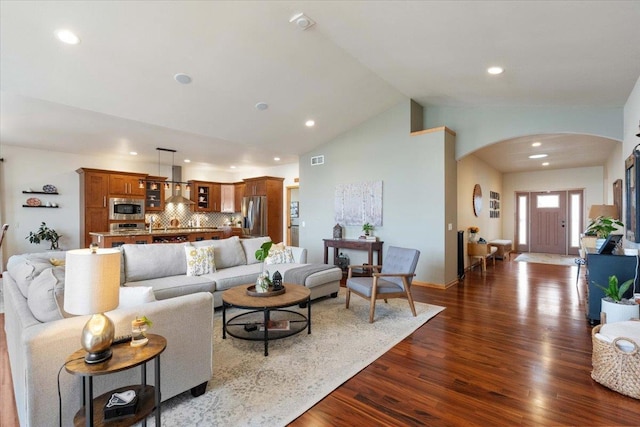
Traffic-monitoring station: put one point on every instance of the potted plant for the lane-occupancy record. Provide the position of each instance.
(44, 233)
(614, 305)
(263, 282)
(367, 228)
(601, 227)
(473, 233)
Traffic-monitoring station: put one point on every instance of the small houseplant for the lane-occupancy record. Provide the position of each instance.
(614, 305)
(473, 233)
(602, 226)
(263, 282)
(367, 228)
(45, 233)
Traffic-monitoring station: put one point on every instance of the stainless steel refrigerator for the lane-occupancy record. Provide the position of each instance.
(254, 210)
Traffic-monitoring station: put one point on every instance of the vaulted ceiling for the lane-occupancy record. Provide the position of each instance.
(115, 92)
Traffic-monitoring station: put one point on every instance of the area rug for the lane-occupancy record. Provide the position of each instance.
(547, 259)
(249, 389)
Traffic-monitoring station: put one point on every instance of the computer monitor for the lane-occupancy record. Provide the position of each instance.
(610, 244)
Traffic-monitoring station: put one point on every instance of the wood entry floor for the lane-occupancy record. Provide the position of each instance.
(512, 348)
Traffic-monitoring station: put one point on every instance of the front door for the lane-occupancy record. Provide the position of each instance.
(549, 222)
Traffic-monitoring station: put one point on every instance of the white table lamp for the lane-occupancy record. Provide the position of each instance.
(92, 282)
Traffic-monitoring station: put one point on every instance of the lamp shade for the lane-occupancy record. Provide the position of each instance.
(92, 281)
(603, 210)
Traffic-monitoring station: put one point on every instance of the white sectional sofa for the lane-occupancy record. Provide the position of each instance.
(40, 335)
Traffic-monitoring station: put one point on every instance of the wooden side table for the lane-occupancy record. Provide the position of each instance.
(124, 357)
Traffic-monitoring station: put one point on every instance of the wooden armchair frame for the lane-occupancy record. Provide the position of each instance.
(374, 289)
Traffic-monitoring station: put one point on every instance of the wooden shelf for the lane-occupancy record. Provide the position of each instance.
(39, 192)
(48, 207)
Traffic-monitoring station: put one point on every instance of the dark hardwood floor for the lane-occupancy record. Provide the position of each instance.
(512, 348)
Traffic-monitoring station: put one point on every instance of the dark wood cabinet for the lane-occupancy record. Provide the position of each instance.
(238, 194)
(205, 195)
(94, 203)
(154, 194)
(126, 185)
(599, 268)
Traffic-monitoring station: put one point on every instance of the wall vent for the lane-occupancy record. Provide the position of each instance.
(317, 160)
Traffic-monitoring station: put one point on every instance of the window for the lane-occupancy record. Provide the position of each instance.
(548, 201)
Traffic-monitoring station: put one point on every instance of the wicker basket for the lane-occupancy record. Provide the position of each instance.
(615, 368)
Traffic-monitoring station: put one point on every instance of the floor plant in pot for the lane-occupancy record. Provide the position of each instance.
(615, 307)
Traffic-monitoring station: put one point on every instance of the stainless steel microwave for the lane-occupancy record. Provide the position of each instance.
(126, 209)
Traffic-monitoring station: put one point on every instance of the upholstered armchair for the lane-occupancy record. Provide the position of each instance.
(393, 281)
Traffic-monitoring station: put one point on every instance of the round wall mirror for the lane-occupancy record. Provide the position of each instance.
(477, 200)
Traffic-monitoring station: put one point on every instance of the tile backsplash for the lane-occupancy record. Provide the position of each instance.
(184, 215)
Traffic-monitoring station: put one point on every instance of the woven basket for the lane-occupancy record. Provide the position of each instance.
(615, 368)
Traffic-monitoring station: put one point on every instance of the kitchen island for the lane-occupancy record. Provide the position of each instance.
(112, 239)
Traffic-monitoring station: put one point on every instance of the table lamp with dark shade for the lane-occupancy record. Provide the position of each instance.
(92, 286)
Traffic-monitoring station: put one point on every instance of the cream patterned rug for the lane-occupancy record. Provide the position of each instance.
(249, 389)
(548, 259)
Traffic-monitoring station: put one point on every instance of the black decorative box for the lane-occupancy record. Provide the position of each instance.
(121, 404)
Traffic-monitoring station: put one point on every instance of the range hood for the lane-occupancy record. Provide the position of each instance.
(176, 196)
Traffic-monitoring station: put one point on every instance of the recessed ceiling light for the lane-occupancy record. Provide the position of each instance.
(187, 161)
(302, 21)
(262, 106)
(536, 144)
(67, 37)
(545, 164)
(309, 123)
(538, 156)
(495, 70)
(133, 153)
(182, 78)
(232, 167)
(277, 159)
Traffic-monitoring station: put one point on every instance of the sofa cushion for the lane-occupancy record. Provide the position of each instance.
(132, 296)
(235, 276)
(175, 286)
(144, 262)
(227, 252)
(200, 260)
(46, 295)
(25, 268)
(250, 247)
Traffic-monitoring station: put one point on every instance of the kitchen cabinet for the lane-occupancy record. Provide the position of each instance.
(117, 241)
(255, 187)
(96, 187)
(126, 185)
(206, 196)
(154, 194)
(238, 191)
(94, 203)
(227, 200)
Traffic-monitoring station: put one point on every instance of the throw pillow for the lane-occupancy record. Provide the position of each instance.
(279, 254)
(200, 260)
(46, 295)
(229, 252)
(250, 247)
(131, 296)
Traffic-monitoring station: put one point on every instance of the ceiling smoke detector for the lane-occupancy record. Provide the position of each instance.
(302, 21)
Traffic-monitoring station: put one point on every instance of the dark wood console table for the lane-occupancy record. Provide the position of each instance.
(358, 244)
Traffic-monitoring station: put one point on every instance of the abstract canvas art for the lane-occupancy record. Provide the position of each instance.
(358, 203)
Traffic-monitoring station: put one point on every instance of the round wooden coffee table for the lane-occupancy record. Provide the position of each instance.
(270, 311)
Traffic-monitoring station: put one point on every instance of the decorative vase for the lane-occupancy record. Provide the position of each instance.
(262, 282)
(618, 312)
(473, 237)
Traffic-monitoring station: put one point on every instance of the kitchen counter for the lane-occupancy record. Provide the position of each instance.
(110, 239)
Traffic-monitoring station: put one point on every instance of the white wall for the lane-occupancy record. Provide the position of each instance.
(25, 168)
(472, 171)
(413, 172)
(631, 128)
(477, 127)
